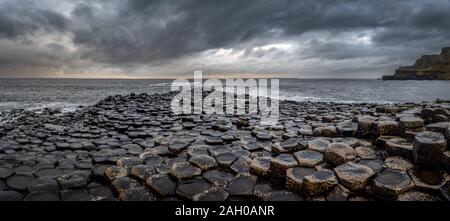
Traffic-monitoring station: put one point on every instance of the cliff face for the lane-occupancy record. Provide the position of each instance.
(427, 67)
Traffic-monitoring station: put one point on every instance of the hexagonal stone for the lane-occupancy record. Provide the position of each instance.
(74, 179)
(318, 145)
(218, 177)
(263, 136)
(282, 195)
(191, 188)
(339, 193)
(417, 196)
(375, 165)
(252, 146)
(5, 172)
(319, 182)
(24, 170)
(176, 146)
(241, 165)
(184, 171)
(260, 166)
(75, 195)
(353, 176)
(295, 176)
(440, 127)
(329, 131)
(392, 183)
(121, 184)
(99, 170)
(366, 153)
(136, 194)
(215, 193)
(339, 153)
(19, 181)
(226, 159)
(203, 162)
(386, 128)
(10, 196)
(410, 123)
(242, 185)
(365, 125)
(399, 147)
(49, 172)
(397, 163)
(43, 184)
(142, 172)
(102, 193)
(162, 184)
(281, 163)
(427, 179)
(287, 146)
(114, 172)
(428, 148)
(213, 141)
(129, 162)
(43, 196)
(308, 158)
(351, 141)
(2, 185)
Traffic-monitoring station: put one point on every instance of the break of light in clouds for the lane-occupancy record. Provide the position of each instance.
(161, 39)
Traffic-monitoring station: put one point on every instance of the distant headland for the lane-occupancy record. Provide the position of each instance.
(428, 67)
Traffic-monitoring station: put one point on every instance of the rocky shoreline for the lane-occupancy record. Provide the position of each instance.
(132, 148)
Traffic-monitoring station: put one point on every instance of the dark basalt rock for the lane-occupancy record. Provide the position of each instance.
(43, 184)
(42, 196)
(391, 183)
(121, 184)
(75, 179)
(242, 185)
(339, 193)
(49, 172)
(218, 177)
(191, 188)
(308, 158)
(428, 148)
(366, 153)
(319, 182)
(5, 172)
(241, 165)
(75, 195)
(102, 193)
(339, 153)
(260, 166)
(129, 162)
(295, 176)
(114, 172)
(24, 170)
(215, 193)
(399, 147)
(203, 162)
(19, 181)
(428, 180)
(354, 176)
(136, 194)
(281, 163)
(375, 165)
(282, 195)
(397, 163)
(226, 159)
(184, 171)
(162, 184)
(10, 196)
(142, 172)
(99, 170)
(178, 145)
(417, 196)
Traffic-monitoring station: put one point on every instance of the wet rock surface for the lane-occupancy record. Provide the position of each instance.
(132, 148)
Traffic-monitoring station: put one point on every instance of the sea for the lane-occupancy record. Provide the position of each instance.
(70, 94)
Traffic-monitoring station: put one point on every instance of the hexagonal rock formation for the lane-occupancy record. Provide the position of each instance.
(410, 123)
(365, 125)
(295, 176)
(391, 183)
(281, 163)
(428, 148)
(318, 145)
(353, 176)
(184, 171)
(319, 182)
(386, 128)
(339, 153)
(308, 158)
(399, 147)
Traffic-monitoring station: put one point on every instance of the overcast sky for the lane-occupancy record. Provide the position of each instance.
(286, 38)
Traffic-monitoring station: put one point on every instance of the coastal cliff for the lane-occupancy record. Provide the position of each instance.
(428, 67)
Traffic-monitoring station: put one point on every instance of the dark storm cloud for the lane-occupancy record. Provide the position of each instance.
(145, 32)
